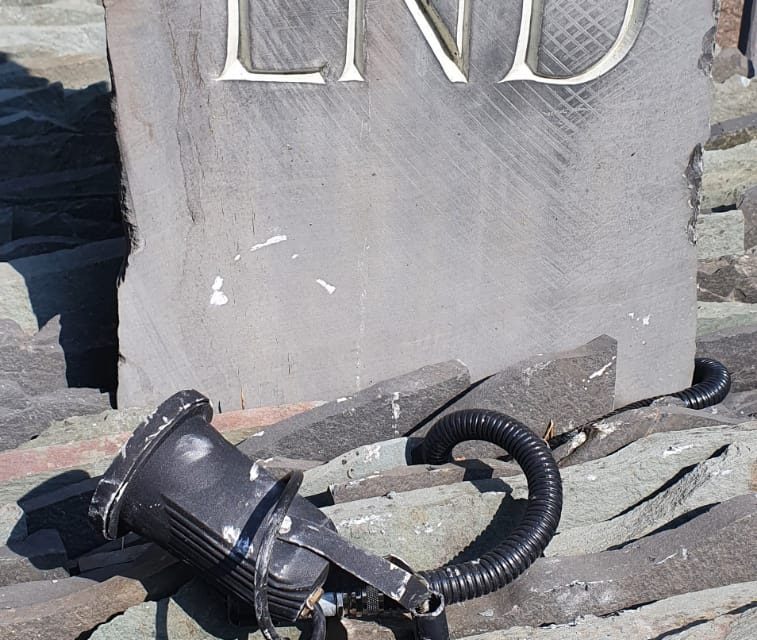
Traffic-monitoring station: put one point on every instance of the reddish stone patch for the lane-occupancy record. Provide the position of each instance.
(17, 463)
(729, 23)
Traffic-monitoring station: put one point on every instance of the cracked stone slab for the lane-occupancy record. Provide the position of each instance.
(728, 278)
(736, 348)
(712, 550)
(569, 388)
(383, 411)
(609, 435)
(728, 475)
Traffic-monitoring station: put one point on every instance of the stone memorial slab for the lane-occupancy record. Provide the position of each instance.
(325, 195)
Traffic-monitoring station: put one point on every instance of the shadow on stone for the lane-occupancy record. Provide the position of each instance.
(63, 241)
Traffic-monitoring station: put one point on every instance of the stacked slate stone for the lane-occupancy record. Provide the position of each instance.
(61, 240)
(656, 538)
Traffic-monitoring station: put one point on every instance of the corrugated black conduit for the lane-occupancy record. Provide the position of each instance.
(710, 385)
(517, 551)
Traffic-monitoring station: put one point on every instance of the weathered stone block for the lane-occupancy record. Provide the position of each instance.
(316, 238)
(386, 410)
(566, 389)
(712, 316)
(728, 173)
(728, 279)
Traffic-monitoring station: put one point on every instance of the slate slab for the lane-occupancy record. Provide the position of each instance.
(699, 615)
(569, 389)
(383, 411)
(728, 279)
(713, 316)
(20, 425)
(728, 173)
(748, 205)
(736, 348)
(502, 233)
(40, 556)
(734, 98)
(609, 435)
(72, 614)
(720, 234)
(712, 550)
(26, 247)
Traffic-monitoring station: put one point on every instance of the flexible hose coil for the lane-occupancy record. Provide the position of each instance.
(710, 385)
(517, 552)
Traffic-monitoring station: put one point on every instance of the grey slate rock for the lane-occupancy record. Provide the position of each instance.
(20, 425)
(385, 410)
(728, 173)
(611, 434)
(23, 594)
(569, 388)
(741, 403)
(722, 477)
(748, 206)
(713, 316)
(729, 62)
(728, 279)
(712, 550)
(715, 611)
(736, 348)
(86, 218)
(40, 556)
(720, 234)
(12, 523)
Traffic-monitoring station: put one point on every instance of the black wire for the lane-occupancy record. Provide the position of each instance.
(270, 529)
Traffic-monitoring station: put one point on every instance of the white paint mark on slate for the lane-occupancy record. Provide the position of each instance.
(295, 256)
(601, 372)
(676, 449)
(396, 405)
(218, 298)
(237, 257)
(254, 471)
(330, 288)
(269, 242)
(373, 452)
(645, 320)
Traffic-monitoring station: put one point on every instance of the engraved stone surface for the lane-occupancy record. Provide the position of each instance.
(324, 195)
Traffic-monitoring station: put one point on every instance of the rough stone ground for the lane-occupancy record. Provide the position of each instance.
(657, 535)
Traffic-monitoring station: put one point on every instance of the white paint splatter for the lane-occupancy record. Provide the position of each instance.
(257, 435)
(396, 405)
(286, 525)
(295, 256)
(254, 472)
(591, 477)
(339, 400)
(676, 449)
(237, 257)
(230, 534)
(330, 288)
(218, 298)
(269, 242)
(645, 320)
(601, 372)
